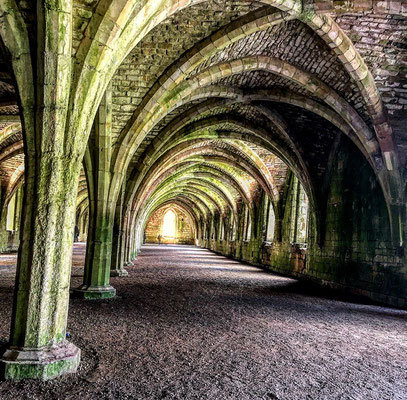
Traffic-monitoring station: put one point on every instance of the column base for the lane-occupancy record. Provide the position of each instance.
(118, 272)
(95, 292)
(46, 363)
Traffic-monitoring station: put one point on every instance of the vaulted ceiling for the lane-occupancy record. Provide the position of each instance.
(225, 97)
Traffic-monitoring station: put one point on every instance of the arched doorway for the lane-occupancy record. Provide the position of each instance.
(169, 225)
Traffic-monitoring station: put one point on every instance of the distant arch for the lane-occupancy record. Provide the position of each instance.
(170, 224)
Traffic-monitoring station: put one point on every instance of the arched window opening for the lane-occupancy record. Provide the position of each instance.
(302, 216)
(222, 229)
(233, 230)
(271, 223)
(249, 227)
(247, 224)
(299, 213)
(11, 214)
(169, 224)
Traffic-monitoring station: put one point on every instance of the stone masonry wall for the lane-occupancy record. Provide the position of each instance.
(184, 233)
(356, 253)
(381, 41)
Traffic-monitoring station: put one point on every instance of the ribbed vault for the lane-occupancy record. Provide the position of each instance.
(275, 127)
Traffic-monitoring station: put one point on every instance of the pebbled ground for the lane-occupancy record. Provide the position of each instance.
(189, 324)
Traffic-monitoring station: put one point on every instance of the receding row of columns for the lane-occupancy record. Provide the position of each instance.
(38, 347)
(59, 97)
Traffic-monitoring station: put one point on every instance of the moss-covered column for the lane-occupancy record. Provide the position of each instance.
(38, 346)
(127, 248)
(96, 282)
(118, 235)
(130, 243)
(122, 245)
(258, 227)
(133, 246)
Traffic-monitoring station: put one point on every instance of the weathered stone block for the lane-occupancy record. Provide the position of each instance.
(44, 364)
(95, 293)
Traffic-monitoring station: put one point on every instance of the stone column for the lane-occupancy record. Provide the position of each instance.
(133, 246)
(118, 235)
(96, 282)
(127, 248)
(130, 244)
(38, 346)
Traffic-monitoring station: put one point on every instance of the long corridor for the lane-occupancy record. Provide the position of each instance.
(189, 324)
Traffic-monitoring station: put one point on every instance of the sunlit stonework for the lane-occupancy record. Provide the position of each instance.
(271, 132)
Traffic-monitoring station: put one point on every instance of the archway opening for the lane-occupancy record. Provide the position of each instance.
(169, 224)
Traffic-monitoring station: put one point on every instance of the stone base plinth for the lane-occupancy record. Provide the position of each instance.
(46, 363)
(118, 272)
(95, 292)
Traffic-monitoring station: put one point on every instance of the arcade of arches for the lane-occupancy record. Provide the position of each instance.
(269, 131)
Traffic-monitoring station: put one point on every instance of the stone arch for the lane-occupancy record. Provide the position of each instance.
(160, 165)
(250, 63)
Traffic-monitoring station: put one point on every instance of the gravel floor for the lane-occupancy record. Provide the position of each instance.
(189, 324)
